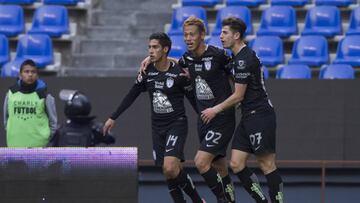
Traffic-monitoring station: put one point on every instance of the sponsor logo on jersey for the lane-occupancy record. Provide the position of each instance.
(159, 85)
(203, 91)
(171, 75)
(161, 103)
(139, 79)
(153, 73)
(169, 82)
(198, 67)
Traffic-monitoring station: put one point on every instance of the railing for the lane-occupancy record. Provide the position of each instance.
(322, 164)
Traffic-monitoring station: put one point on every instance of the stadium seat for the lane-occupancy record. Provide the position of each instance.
(335, 2)
(37, 47)
(50, 20)
(61, 2)
(11, 20)
(236, 11)
(310, 50)
(354, 25)
(323, 20)
(278, 20)
(296, 71)
(266, 72)
(215, 41)
(245, 2)
(269, 49)
(181, 14)
(209, 3)
(12, 68)
(290, 2)
(4, 50)
(348, 51)
(178, 46)
(17, 1)
(337, 71)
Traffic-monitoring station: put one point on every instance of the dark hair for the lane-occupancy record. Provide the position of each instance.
(192, 20)
(27, 62)
(235, 24)
(163, 38)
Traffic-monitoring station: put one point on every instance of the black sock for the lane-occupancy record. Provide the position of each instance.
(229, 188)
(185, 183)
(175, 191)
(251, 185)
(213, 180)
(275, 185)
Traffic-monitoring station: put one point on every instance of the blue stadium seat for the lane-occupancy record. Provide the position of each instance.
(296, 71)
(4, 50)
(181, 14)
(348, 51)
(12, 68)
(310, 50)
(215, 41)
(323, 20)
(354, 25)
(178, 46)
(269, 49)
(236, 11)
(61, 2)
(278, 20)
(290, 2)
(17, 1)
(337, 71)
(50, 20)
(11, 20)
(266, 72)
(245, 2)
(335, 2)
(209, 3)
(37, 47)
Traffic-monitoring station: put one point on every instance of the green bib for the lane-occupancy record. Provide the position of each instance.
(28, 123)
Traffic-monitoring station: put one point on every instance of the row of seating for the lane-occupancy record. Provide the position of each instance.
(275, 20)
(298, 71)
(37, 47)
(212, 3)
(53, 2)
(52, 20)
(309, 50)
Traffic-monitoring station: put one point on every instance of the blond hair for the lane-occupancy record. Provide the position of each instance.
(192, 20)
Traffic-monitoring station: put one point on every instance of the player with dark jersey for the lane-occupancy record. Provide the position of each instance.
(166, 87)
(256, 132)
(209, 73)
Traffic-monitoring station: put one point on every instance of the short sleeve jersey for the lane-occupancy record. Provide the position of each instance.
(247, 70)
(210, 76)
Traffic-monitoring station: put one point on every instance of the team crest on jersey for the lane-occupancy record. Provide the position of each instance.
(241, 64)
(207, 65)
(169, 82)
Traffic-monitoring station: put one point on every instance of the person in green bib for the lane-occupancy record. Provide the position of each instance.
(30, 117)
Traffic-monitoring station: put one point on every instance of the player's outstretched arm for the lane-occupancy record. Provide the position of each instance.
(238, 95)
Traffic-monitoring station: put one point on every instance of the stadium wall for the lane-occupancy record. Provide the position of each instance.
(317, 119)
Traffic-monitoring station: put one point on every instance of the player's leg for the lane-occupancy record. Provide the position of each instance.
(221, 166)
(241, 149)
(174, 154)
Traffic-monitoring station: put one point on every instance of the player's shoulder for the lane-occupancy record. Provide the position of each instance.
(214, 50)
(174, 69)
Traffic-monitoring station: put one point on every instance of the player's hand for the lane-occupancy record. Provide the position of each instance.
(144, 64)
(185, 73)
(173, 60)
(208, 114)
(109, 124)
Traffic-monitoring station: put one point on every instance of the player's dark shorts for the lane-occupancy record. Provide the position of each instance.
(215, 136)
(256, 133)
(169, 140)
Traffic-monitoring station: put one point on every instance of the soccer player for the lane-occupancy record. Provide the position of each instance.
(255, 133)
(166, 87)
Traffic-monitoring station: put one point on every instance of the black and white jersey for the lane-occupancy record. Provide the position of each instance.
(166, 91)
(247, 70)
(210, 76)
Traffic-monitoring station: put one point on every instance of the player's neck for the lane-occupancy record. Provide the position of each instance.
(162, 65)
(238, 47)
(200, 50)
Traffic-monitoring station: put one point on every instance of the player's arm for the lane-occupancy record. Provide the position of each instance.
(146, 62)
(238, 95)
(127, 101)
